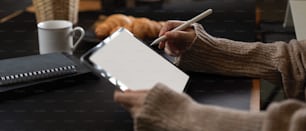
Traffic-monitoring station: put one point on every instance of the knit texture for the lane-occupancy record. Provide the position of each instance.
(278, 62)
(289, 115)
(167, 110)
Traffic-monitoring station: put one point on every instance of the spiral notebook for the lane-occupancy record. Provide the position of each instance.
(29, 70)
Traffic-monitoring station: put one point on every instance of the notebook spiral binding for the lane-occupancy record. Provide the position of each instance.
(35, 75)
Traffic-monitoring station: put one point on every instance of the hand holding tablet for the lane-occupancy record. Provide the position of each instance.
(130, 64)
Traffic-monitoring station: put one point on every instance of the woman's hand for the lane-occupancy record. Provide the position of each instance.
(177, 42)
(131, 100)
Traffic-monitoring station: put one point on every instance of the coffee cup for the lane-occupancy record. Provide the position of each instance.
(57, 36)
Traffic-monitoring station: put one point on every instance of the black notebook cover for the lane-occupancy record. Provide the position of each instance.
(26, 71)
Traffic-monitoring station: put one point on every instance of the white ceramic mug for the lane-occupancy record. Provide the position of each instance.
(57, 36)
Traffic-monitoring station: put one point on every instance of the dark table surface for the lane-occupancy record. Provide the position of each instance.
(87, 103)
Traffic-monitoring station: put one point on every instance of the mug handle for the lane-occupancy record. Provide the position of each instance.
(81, 30)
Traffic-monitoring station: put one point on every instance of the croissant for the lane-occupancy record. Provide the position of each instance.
(144, 28)
(104, 29)
(141, 27)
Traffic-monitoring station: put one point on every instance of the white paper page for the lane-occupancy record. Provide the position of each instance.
(136, 65)
(298, 9)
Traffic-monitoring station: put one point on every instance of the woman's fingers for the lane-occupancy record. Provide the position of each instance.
(172, 36)
(169, 26)
(177, 42)
(130, 98)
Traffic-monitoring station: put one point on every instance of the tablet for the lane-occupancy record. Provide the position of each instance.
(128, 63)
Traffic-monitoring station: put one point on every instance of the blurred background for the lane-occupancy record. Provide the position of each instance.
(245, 20)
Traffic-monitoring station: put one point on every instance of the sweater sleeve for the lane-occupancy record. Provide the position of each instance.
(277, 62)
(289, 115)
(166, 110)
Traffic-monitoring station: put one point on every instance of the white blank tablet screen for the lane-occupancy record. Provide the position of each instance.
(136, 65)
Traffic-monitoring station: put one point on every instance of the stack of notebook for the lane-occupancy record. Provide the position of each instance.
(24, 72)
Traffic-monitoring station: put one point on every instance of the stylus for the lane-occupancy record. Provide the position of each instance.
(184, 26)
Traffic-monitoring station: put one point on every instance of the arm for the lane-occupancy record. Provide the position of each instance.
(162, 109)
(277, 61)
(166, 110)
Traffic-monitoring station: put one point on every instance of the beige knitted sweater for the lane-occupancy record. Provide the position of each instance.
(166, 110)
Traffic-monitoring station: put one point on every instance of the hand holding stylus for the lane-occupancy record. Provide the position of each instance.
(185, 25)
